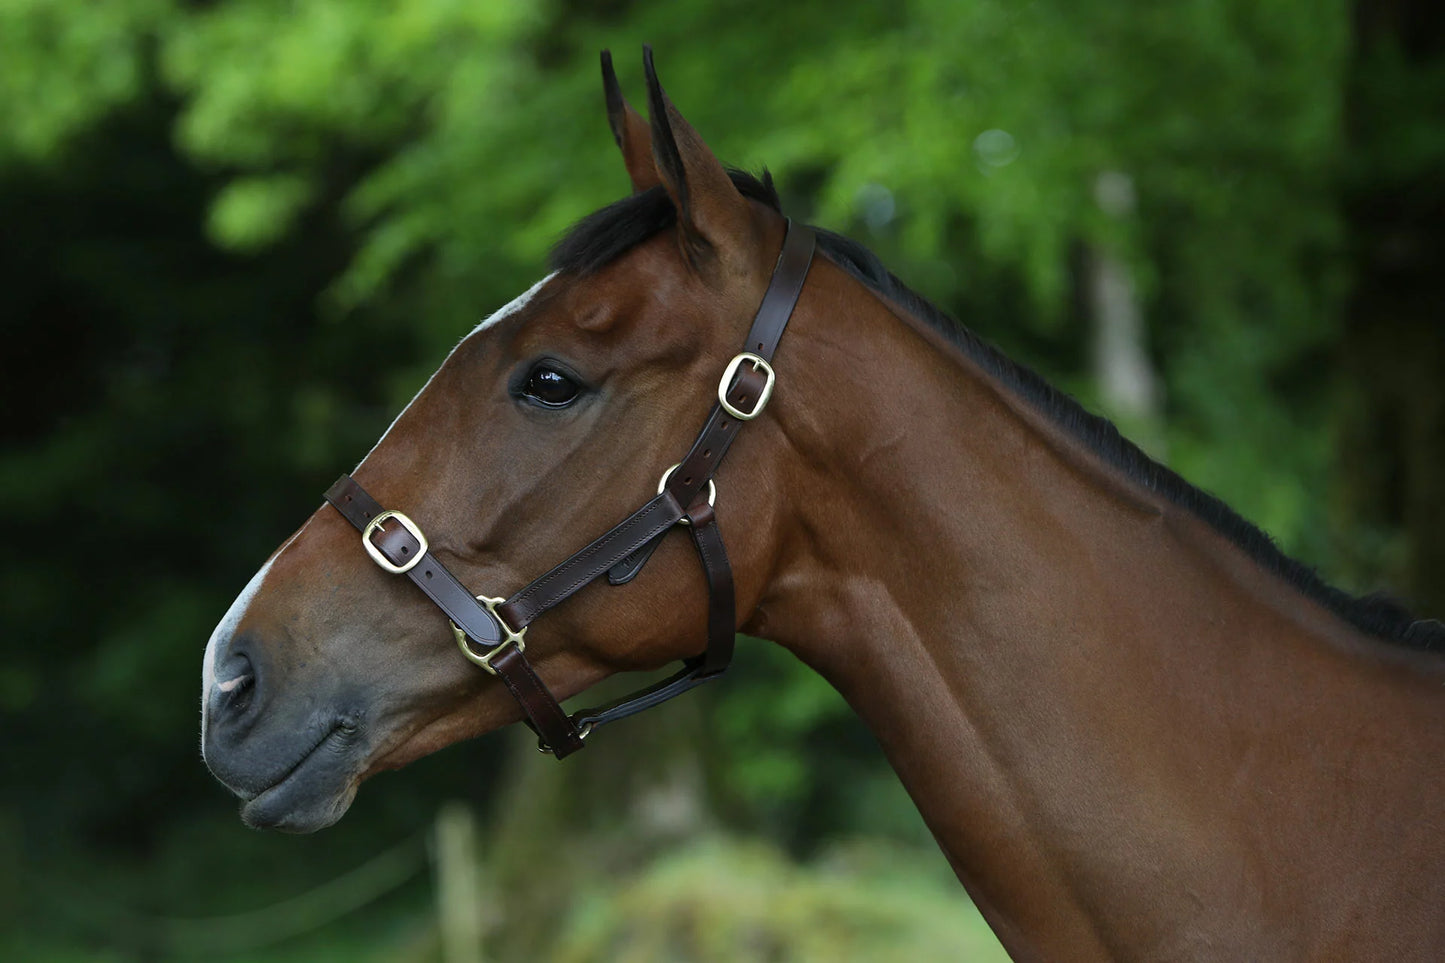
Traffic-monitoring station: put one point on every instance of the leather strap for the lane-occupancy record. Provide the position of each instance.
(721, 604)
(558, 731)
(702, 460)
(625, 548)
(794, 261)
(690, 676)
(721, 631)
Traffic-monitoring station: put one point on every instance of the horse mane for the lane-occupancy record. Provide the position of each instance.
(606, 234)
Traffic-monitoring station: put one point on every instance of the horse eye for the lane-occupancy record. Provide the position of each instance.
(548, 386)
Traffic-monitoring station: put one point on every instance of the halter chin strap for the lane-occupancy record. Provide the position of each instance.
(491, 631)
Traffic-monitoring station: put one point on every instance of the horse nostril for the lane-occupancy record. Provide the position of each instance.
(234, 687)
(238, 690)
(231, 685)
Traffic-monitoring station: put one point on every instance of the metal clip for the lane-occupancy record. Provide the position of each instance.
(509, 637)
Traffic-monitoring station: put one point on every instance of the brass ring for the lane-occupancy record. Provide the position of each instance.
(711, 491)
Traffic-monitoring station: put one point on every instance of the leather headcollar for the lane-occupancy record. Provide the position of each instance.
(491, 631)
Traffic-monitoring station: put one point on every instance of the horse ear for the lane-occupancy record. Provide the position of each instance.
(629, 130)
(713, 218)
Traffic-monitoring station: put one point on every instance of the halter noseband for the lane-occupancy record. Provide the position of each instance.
(491, 631)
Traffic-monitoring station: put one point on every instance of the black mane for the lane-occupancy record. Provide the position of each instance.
(606, 234)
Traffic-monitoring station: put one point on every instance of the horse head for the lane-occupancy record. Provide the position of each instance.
(552, 419)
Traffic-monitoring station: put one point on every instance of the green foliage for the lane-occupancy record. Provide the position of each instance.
(251, 213)
(722, 901)
(431, 89)
(63, 67)
(762, 722)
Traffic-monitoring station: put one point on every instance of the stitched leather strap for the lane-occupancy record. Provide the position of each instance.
(642, 526)
(623, 551)
(789, 273)
(721, 631)
(717, 434)
(689, 677)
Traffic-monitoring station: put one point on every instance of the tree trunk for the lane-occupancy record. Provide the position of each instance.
(1128, 385)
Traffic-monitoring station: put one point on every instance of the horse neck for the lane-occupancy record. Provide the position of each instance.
(1107, 713)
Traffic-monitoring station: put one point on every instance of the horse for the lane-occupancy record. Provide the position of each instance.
(1135, 728)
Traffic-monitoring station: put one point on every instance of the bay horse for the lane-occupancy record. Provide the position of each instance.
(1135, 728)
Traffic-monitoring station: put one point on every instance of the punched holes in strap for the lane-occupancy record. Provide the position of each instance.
(401, 544)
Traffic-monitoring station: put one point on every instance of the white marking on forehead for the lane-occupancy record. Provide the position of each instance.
(505, 311)
(513, 306)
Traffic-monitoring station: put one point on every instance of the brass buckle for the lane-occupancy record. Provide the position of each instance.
(512, 638)
(711, 491)
(727, 379)
(376, 525)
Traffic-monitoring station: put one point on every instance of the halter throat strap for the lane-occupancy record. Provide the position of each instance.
(490, 631)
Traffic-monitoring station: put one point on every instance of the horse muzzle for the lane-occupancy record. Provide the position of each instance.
(295, 768)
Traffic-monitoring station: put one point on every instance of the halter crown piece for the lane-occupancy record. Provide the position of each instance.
(491, 631)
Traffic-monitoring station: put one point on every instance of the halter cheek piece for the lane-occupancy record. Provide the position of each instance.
(491, 631)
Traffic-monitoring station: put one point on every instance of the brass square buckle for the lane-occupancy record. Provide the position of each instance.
(511, 638)
(727, 379)
(376, 525)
